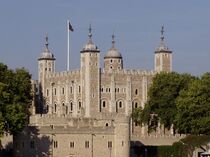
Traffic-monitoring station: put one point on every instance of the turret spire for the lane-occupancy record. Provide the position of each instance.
(90, 33)
(162, 35)
(46, 41)
(113, 40)
(162, 45)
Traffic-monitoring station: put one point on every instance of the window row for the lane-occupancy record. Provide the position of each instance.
(117, 90)
(67, 108)
(63, 91)
(55, 144)
(118, 104)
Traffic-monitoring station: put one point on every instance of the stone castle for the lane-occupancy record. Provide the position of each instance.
(86, 112)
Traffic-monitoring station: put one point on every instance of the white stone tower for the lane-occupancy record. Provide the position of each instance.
(163, 56)
(113, 59)
(90, 77)
(46, 65)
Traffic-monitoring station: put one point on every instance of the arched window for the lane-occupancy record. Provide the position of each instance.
(71, 106)
(104, 103)
(71, 90)
(47, 108)
(66, 109)
(136, 104)
(136, 91)
(55, 108)
(63, 91)
(80, 105)
(79, 89)
(120, 104)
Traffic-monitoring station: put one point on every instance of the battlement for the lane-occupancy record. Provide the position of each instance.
(63, 74)
(132, 72)
(100, 121)
(75, 130)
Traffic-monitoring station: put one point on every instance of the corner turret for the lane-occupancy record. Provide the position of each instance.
(163, 56)
(113, 59)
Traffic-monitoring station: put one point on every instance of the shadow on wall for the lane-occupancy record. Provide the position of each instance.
(7, 151)
(30, 143)
(140, 150)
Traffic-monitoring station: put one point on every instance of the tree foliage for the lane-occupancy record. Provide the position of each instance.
(15, 96)
(161, 104)
(180, 100)
(193, 105)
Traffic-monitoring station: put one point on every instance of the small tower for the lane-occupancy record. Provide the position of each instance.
(163, 56)
(46, 65)
(113, 59)
(90, 76)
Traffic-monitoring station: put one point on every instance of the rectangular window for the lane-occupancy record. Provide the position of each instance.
(63, 91)
(79, 88)
(71, 90)
(109, 144)
(55, 144)
(71, 144)
(55, 91)
(86, 144)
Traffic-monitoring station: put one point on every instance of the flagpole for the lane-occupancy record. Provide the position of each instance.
(68, 34)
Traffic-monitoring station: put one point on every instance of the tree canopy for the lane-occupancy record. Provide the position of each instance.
(180, 100)
(193, 105)
(162, 96)
(15, 96)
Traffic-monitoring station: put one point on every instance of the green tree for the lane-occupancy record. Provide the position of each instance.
(193, 107)
(137, 114)
(191, 142)
(15, 96)
(161, 104)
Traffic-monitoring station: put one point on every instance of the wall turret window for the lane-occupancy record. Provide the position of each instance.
(71, 90)
(79, 89)
(63, 90)
(55, 108)
(79, 105)
(71, 106)
(104, 103)
(136, 92)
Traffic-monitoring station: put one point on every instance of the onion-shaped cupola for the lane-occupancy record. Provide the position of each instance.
(163, 56)
(113, 58)
(46, 54)
(90, 46)
(162, 46)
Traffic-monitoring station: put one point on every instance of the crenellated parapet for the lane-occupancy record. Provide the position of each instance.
(101, 120)
(131, 72)
(63, 74)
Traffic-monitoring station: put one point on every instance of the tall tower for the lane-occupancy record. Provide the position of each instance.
(46, 65)
(113, 59)
(90, 77)
(163, 56)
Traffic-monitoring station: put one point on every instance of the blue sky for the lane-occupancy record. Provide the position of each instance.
(136, 23)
